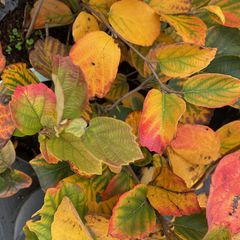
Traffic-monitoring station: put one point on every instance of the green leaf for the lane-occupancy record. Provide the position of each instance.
(53, 198)
(76, 127)
(192, 227)
(7, 156)
(42, 56)
(70, 88)
(219, 233)
(112, 142)
(49, 174)
(226, 40)
(225, 65)
(132, 216)
(211, 90)
(28, 234)
(33, 107)
(11, 181)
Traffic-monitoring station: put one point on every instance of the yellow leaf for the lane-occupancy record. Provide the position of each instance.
(102, 6)
(229, 135)
(98, 57)
(217, 11)
(67, 225)
(197, 144)
(191, 28)
(52, 12)
(183, 59)
(99, 227)
(133, 119)
(135, 21)
(83, 24)
(171, 6)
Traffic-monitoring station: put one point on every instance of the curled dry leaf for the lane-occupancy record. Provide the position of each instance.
(99, 64)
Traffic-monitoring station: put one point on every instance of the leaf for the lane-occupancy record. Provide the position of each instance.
(231, 11)
(220, 233)
(53, 13)
(95, 61)
(229, 44)
(192, 227)
(197, 115)
(118, 185)
(217, 11)
(229, 135)
(70, 88)
(33, 107)
(17, 74)
(68, 147)
(67, 224)
(11, 181)
(53, 198)
(134, 101)
(98, 226)
(224, 194)
(132, 216)
(112, 142)
(118, 88)
(191, 28)
(211, 90)
(225, 65)
(171, 6)
(2, 60)
(76, 127)
(135, 21)
(183, 59)
(169, 195)
(197, 144)
(49, 174)
(160, 116)
(7, 156)
(42, 56)
(133, 120)
(102, 6)
(73, 4)
(83, 24)
(7, 125)
(28, 234)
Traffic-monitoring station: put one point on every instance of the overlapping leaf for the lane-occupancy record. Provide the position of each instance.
(160, 116)
(7, 156)
(171, 6)
(53, 198)
(99, 63)
(229, 135)
(216, 10)
(223, 202)
(17, 74)
(133, 119)
(11, 181)
(182, 59)
(191, 28)
(135, 21)
(6, 123)
(211, 90)
(33, 107)
(169, 195)
(49, 174)
(231, 11)
(70, 88)
(132, 216)
(102, 6)
(42, 56)
(83, 24)
(52, 13)
(67, 224)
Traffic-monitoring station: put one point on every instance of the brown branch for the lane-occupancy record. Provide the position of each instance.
(148, 62)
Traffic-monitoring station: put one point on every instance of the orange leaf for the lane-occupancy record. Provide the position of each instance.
(6, 123)
(160, 116)
(135, 21)
(191, 28)
(2, 59)
(98, 63)
(223, 202)
(169, 195)
(133, 119)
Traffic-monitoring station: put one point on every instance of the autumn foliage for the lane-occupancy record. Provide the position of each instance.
(124, 130)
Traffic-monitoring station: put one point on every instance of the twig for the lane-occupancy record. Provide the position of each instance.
(148, 62)
(47, 30)
(34, 18)
(140, 87)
